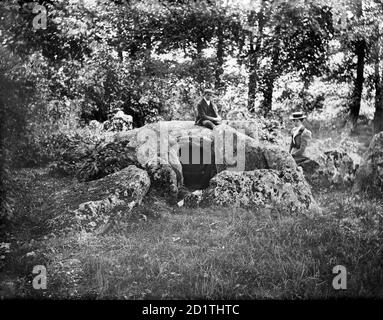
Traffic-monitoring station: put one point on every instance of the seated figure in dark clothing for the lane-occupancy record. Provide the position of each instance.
(207, 114)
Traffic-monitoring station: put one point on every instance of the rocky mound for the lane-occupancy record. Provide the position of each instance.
(174, 154)
(158, 145)
(91, 206)
(334, 168)
(262, 188)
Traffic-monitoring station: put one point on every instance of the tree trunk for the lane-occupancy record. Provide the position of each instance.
(360, 52)
(119, 46)
(273, 75)
(268, 96)
(199, 46)
(149, 46)
(148, 53)
(378, 116)
(253, 56)
(252, 86)
(220, 53)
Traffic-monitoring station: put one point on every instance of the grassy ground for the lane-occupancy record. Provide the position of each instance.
(179, 253)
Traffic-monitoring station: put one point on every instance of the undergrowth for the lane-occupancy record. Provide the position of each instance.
(214, 253)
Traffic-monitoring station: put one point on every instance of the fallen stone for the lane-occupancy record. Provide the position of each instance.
(258, 189)
(93, 204)
(334, 168)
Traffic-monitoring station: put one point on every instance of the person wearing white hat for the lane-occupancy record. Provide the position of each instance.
(300, 138)
(207, 113)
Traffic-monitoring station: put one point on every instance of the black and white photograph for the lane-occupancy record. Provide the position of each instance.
(202, 151)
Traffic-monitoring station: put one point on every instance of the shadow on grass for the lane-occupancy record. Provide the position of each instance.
(215, 253)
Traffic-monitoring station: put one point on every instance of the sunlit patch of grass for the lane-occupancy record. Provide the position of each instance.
(225, 253)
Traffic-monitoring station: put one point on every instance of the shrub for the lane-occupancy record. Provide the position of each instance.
(7, 193)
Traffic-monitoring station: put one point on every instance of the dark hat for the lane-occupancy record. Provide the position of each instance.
(297, 116)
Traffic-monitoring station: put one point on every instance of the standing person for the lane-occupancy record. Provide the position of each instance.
(207, 114)
(300, 138)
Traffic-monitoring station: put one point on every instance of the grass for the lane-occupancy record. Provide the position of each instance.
(214, 253)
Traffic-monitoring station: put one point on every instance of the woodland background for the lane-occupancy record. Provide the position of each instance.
(265, 59)
(152, 58)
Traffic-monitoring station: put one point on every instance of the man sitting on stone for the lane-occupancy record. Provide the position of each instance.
(300, 138)
(207, 114)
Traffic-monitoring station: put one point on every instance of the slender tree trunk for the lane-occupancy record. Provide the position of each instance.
(268, 96)
(252, 86)
(199, 46)
(220, 53)
(273, 75)
(378, 116)
(120, 55)
(200, 76)
(148, 53)
(360, 51)
(306, 85)
(119, 45)
(149, 46)
(254, 50)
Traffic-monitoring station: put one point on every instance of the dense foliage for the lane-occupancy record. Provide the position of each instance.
(152, 58)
